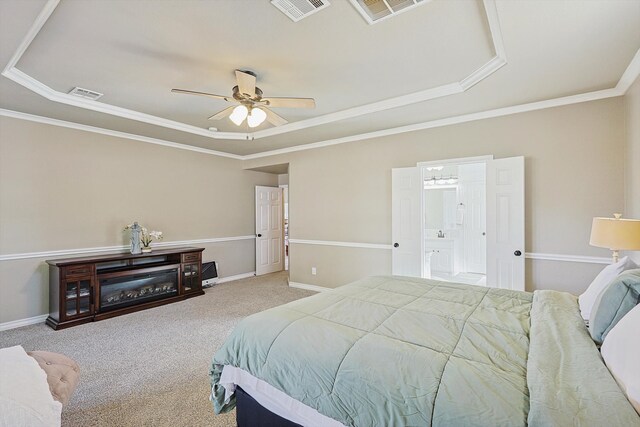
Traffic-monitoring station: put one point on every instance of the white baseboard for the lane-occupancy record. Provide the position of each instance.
(314, 288)
(40, 319)
(236, 277)
(23, 322)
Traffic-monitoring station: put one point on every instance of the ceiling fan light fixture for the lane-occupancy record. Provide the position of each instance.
(253, 106)
(239, 114)
(256, 118)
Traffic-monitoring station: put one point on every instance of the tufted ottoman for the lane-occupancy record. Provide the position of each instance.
(62, 373)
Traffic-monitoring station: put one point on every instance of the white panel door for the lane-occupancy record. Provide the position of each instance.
(406, 224)
(269, 230)
(472, 189)
(505, 223)
(475, 227)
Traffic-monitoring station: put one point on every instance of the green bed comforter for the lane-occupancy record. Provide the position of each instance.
(402, 351)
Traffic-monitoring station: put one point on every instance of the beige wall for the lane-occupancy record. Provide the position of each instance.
(64, 189)
(632, 160)
(574, 171)
(68, 189)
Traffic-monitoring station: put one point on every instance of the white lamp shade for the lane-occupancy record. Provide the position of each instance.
(616, 234)
(256, 117)
(239, 114)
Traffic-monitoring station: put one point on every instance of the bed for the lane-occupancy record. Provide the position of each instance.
(399, 351)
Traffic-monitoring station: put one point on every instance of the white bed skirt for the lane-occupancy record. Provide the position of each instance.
(273, 399)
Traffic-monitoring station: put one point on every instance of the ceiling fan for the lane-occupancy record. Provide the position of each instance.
(252, 106)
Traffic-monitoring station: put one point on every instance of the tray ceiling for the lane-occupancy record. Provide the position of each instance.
(135, 52)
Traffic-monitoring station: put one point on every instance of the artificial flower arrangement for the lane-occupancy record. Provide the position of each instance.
(145, 236)
(148, 236)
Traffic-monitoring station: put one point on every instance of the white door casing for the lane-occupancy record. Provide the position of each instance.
(505, 223)
(406, 223)
(269, 230)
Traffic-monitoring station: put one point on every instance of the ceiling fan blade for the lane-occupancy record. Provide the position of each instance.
(222, 114)
(210, 95)
(273, 118)
(290, 102)
(246, 83)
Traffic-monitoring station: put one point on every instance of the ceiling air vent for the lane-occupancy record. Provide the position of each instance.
(298, 9)
(377, 10)
(85, 93)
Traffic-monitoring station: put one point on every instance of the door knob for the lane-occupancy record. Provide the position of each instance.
(484, 234)
(395, 245)
(259, 235)
(517, 253)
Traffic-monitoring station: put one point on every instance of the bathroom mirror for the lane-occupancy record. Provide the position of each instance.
(440, 209)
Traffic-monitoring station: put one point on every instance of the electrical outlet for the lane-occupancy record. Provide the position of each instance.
(313, 271)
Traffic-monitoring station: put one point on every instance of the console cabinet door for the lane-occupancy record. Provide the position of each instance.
(77, 297)
(191, 281)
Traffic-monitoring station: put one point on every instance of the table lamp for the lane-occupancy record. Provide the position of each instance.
(616, 234)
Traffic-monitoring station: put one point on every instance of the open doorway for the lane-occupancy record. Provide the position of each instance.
(272, 220)
(460, 240)
(455, 222)
(283, 182)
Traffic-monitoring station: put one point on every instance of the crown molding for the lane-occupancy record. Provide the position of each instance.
(37, 25)
(117, 134)
(45, 91)
(630, 74)
(448, 121)
(23, 79)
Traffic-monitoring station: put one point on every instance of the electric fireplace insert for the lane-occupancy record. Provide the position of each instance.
(126, 290)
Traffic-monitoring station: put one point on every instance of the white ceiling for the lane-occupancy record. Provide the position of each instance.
(135, 52)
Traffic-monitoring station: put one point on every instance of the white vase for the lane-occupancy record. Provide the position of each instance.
(146, 249)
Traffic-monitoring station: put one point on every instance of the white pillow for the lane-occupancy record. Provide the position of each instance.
(610, 272)
(621, 353)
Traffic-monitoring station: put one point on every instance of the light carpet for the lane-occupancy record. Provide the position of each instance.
(150, 368)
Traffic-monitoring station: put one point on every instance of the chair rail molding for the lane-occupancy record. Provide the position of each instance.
(528, 255)
(97, 250)
(341, 244)
(568, 258)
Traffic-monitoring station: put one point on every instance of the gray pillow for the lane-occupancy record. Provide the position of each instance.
(618, 298)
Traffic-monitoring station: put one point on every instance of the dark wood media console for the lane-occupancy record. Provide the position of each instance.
(87, 289)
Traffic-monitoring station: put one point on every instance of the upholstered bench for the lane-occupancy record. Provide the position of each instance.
(34, 386)
(62, 373)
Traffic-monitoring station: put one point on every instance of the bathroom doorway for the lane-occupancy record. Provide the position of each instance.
(454, 222)
(471, 231)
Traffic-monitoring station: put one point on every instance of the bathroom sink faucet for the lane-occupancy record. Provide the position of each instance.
(440, 234)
